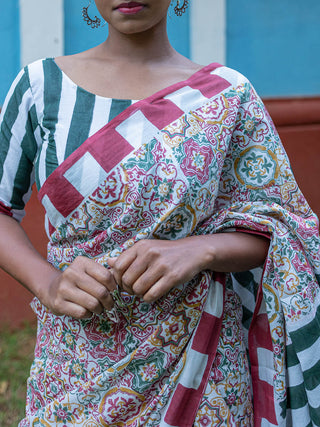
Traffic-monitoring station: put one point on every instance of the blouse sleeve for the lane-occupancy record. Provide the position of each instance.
(18, 147)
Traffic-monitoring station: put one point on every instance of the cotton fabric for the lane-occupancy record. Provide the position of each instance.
(198, 157)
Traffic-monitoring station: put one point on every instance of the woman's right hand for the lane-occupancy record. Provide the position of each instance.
(80, 290)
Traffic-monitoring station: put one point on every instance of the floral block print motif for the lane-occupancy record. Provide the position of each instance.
(199, 157)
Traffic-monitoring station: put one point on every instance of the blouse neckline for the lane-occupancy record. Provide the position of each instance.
(70, 81)
(160, 92)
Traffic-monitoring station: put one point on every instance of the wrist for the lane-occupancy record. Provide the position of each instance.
(41, 288)
(205, 251)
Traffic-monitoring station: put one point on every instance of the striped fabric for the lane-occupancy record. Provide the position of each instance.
(44, 119)
(117, 141)
(201, 352)
(199, 157)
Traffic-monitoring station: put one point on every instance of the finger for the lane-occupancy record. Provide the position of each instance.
(158, 290)
(96, 271)
(95, 292)
(138, 276)
(71, 309)
(121, 263)
(76, 277)
(84, 299)
(146, 280)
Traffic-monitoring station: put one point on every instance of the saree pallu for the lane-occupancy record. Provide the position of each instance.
(199, 157)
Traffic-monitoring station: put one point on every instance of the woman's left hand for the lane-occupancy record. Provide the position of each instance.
(150, 268)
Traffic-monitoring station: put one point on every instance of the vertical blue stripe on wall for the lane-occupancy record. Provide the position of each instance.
(79, 36)
(276, 44)
(9, 46)
(179, 31)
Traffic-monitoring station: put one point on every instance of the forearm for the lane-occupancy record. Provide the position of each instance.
(231, 252)
(20, 259)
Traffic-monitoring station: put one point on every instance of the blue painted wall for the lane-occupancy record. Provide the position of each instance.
(79, 36)
(179, 31)
(9, 45)
(276, 44)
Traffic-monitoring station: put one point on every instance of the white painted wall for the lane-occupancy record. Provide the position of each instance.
(208, 31)
(41, 29)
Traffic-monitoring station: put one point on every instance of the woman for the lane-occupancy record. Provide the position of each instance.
(158, 177)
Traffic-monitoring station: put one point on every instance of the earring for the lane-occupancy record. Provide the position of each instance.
(180, 10)
(93, 23)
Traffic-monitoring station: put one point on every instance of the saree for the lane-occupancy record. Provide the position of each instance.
(199, 157)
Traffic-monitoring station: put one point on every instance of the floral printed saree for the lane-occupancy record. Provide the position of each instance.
(199, 157)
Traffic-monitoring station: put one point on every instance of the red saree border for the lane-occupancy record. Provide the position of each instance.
(185, 401)
(6, 210)
(108, 147)
(260, 337)
(263, 392)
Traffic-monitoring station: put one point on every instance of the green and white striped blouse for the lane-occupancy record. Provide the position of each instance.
(45, 117)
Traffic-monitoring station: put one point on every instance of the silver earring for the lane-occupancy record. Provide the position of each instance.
(93, 23)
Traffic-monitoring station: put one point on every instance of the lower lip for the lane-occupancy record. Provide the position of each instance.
(130, 10)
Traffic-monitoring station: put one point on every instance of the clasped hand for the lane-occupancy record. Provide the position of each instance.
(148, 269)
(151, 268)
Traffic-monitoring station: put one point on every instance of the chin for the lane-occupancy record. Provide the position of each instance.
(130, 28)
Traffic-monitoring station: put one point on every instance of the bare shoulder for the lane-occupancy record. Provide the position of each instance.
(70, 63)
(186, 66)
(85, 69)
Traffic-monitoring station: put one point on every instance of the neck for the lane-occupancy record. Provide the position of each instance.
(150, 45)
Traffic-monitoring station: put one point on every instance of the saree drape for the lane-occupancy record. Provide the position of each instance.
(199, 157)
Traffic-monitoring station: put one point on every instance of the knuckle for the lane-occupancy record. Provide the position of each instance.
(162, 266)
(63, 285)
(138, 289)
(92, 304)
(145, 246)
(69, 274)
(118, 266)
(173, 276)
(143, 243)
(78, 260)
(108, 274)
(102, 293)
(126, 282)
(81, 262)
(153, 252)
(57, 307)
(63, 291)
(152, 295)
(82, 313)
